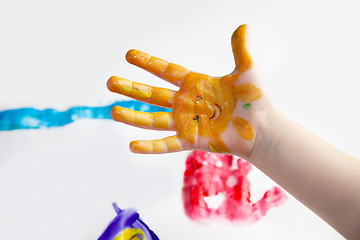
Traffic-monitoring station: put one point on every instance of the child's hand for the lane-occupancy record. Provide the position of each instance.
(232, 113)
(208, 113)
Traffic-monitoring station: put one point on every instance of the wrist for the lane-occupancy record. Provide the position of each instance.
(268, 136)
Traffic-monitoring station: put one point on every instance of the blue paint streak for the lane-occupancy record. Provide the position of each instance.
(31, 118)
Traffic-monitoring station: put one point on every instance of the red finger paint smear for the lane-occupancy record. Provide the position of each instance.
(210, 179)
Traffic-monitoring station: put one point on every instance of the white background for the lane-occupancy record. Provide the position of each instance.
(60, 183)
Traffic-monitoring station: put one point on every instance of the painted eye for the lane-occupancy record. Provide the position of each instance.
(217, 112)
(196, 118)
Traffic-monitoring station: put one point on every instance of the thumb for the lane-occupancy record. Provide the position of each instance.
(240, 48)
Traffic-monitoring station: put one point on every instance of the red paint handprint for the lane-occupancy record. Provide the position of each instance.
(211, 174)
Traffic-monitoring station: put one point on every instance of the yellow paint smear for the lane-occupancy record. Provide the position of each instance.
(131, 234)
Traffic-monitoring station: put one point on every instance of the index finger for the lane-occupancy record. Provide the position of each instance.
(170, 72)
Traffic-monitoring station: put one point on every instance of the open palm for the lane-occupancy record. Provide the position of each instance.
(219, 114)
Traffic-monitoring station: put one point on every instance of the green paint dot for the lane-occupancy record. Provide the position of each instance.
(247, 105)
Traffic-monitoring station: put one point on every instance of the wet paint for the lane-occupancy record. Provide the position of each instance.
(247, 92)
(243, 128)
(127, 225)
(247, 105)
(210, 176)
(203, 106)
(32, 118)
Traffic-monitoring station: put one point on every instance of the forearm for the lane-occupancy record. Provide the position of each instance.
(320, 176)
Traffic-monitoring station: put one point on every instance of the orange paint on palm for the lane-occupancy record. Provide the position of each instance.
(185, 110)
(225, 103)
(195, 109)
(244, 128)
(195, 115)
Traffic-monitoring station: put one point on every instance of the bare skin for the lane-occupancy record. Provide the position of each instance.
(320, 176)
(233, 114)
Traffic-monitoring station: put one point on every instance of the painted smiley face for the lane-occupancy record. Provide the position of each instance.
(204, 107)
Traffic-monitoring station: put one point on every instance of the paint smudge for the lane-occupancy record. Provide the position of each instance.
(214, 190)
(127, 225)
(247, 105)
(243, 128)
(247, 92)
(32, 118)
